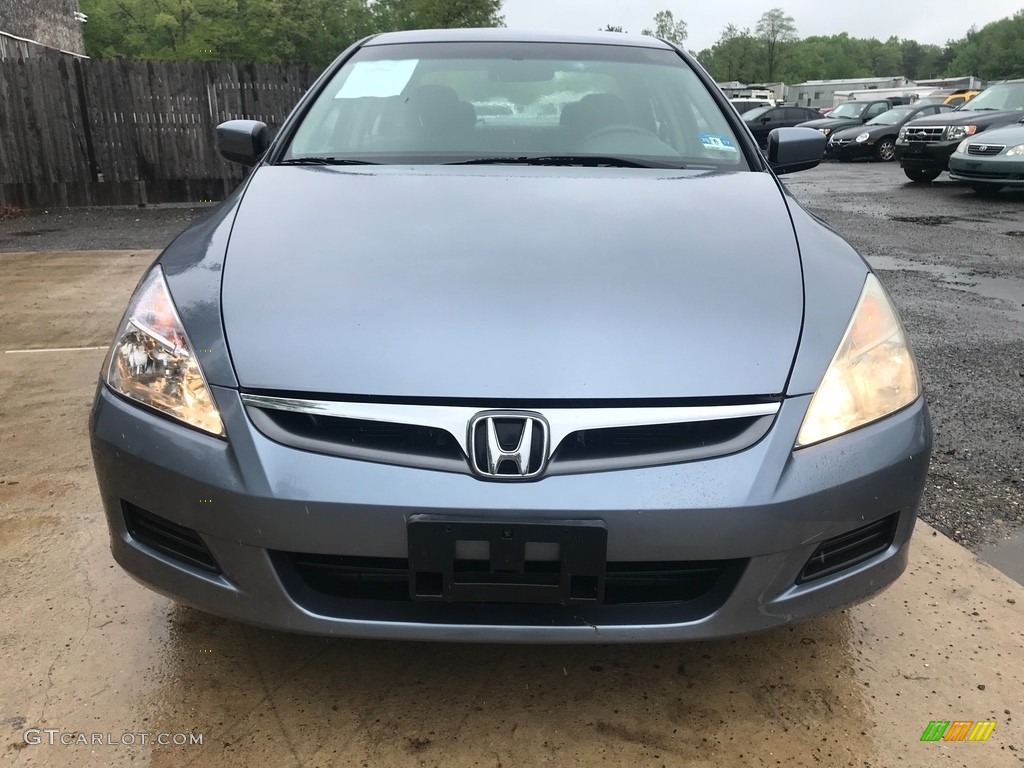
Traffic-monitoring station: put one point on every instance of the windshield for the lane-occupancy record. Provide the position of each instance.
(459, 102)
(892, 117)
(849, 109)
(755, 113)
(1007, 96)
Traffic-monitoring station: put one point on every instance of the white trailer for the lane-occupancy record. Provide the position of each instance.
(909, 92)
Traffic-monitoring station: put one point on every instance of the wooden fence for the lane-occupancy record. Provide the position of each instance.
(90, 132)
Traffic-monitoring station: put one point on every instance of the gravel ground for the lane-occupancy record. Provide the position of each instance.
(953, 261)
(99, 229)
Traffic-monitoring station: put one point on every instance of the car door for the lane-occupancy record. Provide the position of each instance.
(875, 110)
(794, 116)
(766, 123)
(809, 114)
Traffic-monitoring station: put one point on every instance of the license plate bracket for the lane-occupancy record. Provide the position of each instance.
(506, 561)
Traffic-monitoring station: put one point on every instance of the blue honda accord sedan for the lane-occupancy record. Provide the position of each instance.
(515, 338)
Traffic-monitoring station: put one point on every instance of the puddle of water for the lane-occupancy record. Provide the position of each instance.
(1009, 289)
(926, 220)
(32, 232)
(1007, 555)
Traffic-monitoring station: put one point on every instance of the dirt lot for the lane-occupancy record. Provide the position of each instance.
(83, 649)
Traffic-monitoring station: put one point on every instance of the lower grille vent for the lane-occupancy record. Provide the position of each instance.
(168, 538)
(370, 578)
(845, 551)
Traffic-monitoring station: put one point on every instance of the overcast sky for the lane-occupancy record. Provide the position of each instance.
(933, 22)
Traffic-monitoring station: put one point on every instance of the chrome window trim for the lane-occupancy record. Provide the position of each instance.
(562, 421)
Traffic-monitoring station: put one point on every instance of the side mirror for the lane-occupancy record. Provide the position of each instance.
(243, 141)
(765, 119)
(795, 149)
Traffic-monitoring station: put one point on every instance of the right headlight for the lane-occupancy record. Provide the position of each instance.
(903, 133)
(955, 132)
(961, 148)
(872, 375)
(153, 363)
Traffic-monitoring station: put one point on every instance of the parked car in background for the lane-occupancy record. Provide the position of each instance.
(847, 115)
(596, 380)
(992, 161)
(825, 110)
(764, 120)
(953, 98)
(924, 145)
(745, 105)
(877, 138)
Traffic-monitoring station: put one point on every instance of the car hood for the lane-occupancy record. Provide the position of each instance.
(965, 117)
(506, 282)
(1010, 135)
(875, 130)
(830, 123)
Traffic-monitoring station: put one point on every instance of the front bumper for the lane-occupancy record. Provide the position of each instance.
(990, 170)
(925, 155)
(251, 499)
(850, 150)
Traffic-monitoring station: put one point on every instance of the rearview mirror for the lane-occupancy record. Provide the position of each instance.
(521, 71)
(243, 141)
(795, 149)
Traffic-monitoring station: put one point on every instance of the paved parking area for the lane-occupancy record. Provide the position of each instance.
(85, 650)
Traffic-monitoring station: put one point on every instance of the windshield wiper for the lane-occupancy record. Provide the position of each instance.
(324, 161)
(590, 161)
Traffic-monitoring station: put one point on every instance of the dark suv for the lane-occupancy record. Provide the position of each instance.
(924, 145)
(850, 114)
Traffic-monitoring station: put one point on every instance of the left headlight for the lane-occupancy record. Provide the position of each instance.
(1016, 151)
(863, 137)
(153, 363)
(872, 375)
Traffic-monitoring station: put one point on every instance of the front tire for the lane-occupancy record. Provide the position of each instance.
(885, 150)
(922, 175)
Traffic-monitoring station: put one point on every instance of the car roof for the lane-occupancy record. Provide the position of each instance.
(514, 36)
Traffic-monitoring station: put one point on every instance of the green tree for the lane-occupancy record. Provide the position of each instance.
(776, 31)
(733, 57)
(313, 31)
(995, 52)
(612, 28)
(667, 28)
(437, 14)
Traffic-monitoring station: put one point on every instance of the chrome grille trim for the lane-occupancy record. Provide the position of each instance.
(562, 421)
(925, 133)
(985, 149)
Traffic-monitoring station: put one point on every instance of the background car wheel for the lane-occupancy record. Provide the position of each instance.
(885, 150)
(986, 188)
(922, 174)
